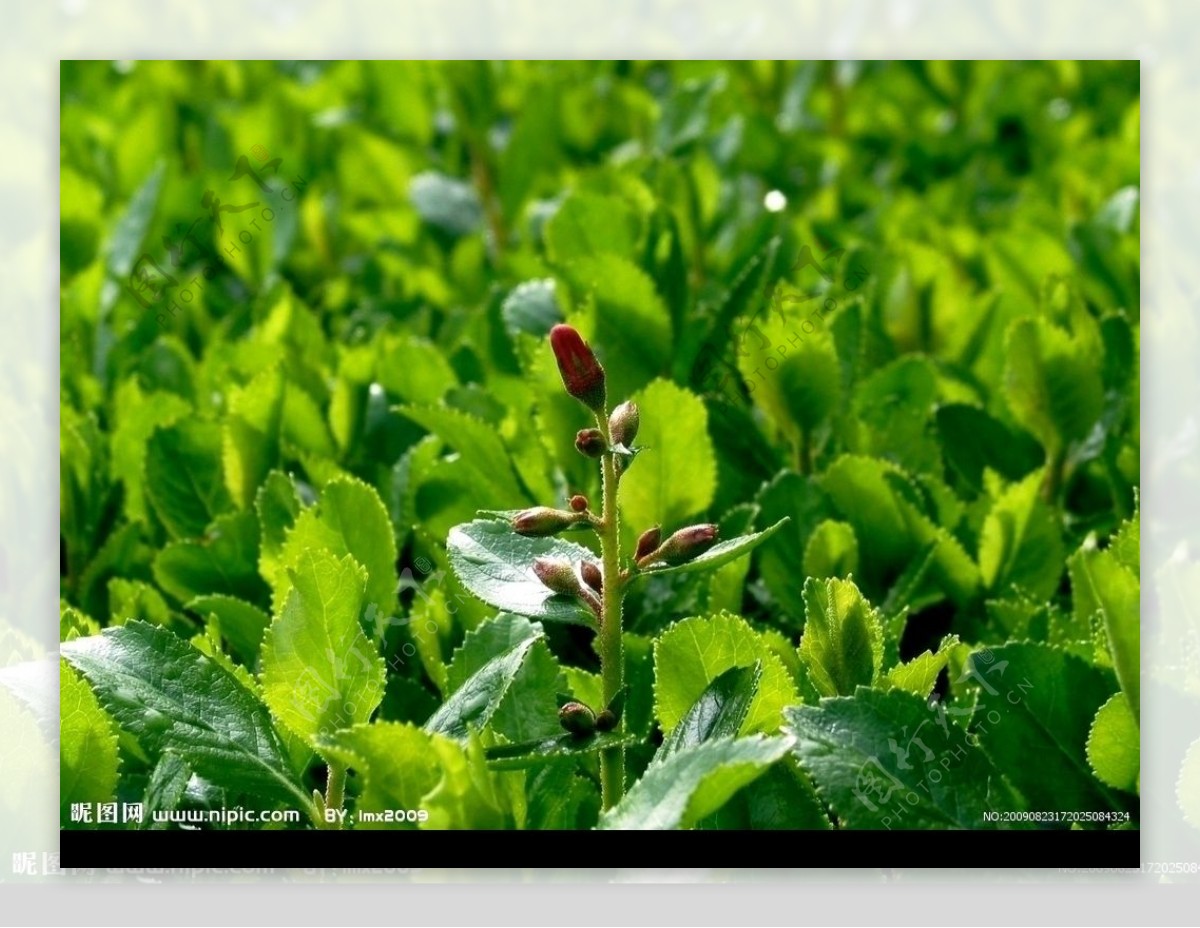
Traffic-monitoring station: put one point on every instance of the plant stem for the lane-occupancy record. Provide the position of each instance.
(609, 645)
(1052, 482)
(335, 788)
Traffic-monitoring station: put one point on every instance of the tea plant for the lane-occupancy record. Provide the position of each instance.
(834, 525)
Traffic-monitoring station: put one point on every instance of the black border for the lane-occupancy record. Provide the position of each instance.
(988, 849)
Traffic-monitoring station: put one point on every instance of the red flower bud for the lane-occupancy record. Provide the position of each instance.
(557, 574)
(684, 545)
(542, 520)
(581, 373)
(577, 718)
(648, 542)
(623, 424)
(590, 442)
(592, 576)
(579, 503)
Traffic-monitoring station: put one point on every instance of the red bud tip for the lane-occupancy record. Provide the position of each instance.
(579, 503)
(582, 374)
(623, 424)
(541, 520)
(590, 443)
(648, 542)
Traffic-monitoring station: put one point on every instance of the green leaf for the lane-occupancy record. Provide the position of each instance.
(528, 710)
(676, 476)
(349, 518)
(718, 713)
(1036, 706)
(781, 799)
(973, 441)
(920, 674)
(531, 308)
(88, 759)
(241, 623)
(1102, 584)
(277, 505)
(496, 564)
(832, 550)
(138, 416)
(449, 204)
(693, 783)
(479, 446)
(625, 322)
(589, 224)
(184, 477)
(223, 561)
(1052, 387)
(1113, 745)
(691, 654)
(842, 645)
(892, 409)
(476, 700)
(319, 671)
(525, 754)
(804, 503)
(718, 555)
(889, 760)
(172, 697)
(560, 799)
(416, 370)
(251, 434)
(125, 242)
(1021, 542)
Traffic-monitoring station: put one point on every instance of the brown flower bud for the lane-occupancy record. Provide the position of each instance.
(606, 721)
(579, 503)
(541, 520)
(590, 442)
(592, 576)
(623, 424)
(577, 718)
(557, 574)
(582, 374)
(684, 545)
(648, 542)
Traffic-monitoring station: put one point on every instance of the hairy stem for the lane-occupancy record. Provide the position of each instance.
(1052, 483)
(609, 646)
(335, 788)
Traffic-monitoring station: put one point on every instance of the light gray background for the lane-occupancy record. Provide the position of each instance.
(1162, 33)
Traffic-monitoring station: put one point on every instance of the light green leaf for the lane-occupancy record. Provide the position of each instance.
(920, 674)
(88, 759)
(184, 478)
(888, 760)
(1114, 745)
(416, 370)
(832, 550)
(251, 434)
(691, 654)
(1102, 584)
(319, 671)
(223, 561)
(842, 645)
(171, 697)
(1021, 542)
(138, 416)
(349, 518)
(676, 476)
(277, 505)
(718, 713)
(1052, 387)
(495, 564)
(590, 224)
(693, 783)
(723, 552)
(241, 623)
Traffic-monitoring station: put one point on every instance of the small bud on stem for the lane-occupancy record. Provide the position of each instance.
(685, 545)
(623, 424)
(542, 520)
(577, 718)
(557, 574)
(579, 503)
(647, 542)
(592, 576)
(581, 373)
(590, 443)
